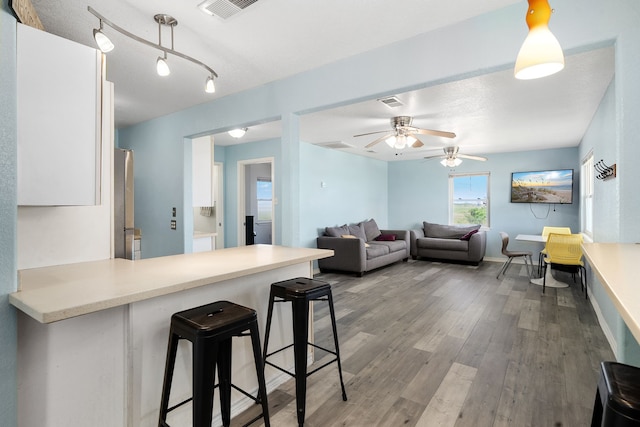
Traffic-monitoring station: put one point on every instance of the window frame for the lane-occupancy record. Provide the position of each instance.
(587, 184)
(258, 200)
(451, 179)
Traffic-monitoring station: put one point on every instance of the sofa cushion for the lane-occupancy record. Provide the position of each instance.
(371, 229)
(393, 245)
(337, 231)
(441, 231)
(375, 250)
(443, 244)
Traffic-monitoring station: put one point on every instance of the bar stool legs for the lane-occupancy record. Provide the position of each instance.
(210, 328)
(300, 292)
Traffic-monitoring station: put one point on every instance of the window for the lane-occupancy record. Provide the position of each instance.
(586, 195)
(469, 199)
(265, 202)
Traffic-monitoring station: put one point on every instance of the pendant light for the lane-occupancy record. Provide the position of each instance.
(540, 54)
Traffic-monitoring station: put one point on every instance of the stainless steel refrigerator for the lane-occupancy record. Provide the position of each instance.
(125, 234)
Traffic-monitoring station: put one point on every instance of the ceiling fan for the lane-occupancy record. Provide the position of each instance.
(403, 134)
(451, 157)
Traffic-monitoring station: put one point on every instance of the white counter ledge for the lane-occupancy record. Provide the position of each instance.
(56, 293)
(616, 266)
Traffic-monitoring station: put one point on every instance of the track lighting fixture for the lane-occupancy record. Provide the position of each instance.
(162, 66)
(540, 54)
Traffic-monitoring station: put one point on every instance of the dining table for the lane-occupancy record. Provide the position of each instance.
(549, 280)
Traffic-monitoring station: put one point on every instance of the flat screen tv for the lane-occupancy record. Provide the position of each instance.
(550, 186)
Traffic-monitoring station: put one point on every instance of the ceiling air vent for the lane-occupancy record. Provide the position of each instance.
(333, 144)
(391, 101)
(224, 8)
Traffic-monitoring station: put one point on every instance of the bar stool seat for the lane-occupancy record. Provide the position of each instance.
(618, 396)
(300, 292)
(210, 329)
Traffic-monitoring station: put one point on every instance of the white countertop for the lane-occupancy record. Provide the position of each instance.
(56, 293)
(616, 265)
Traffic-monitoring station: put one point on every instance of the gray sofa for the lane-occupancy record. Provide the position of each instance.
(448, 242)
(362, 247)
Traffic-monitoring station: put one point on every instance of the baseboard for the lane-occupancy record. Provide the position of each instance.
(604, 326)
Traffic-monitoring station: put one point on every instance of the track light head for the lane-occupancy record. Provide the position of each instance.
(103, 42)
(162, 67)
(210, 86)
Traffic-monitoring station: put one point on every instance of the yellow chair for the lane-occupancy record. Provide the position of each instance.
(564, 252)
(545, 233)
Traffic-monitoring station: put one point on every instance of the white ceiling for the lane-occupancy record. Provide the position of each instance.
(273, 39)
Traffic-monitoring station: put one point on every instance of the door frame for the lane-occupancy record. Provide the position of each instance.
(242, 165)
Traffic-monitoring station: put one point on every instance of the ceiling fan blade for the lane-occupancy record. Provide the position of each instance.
(417, 144)
(435, 133)
(382, 138)
(479, 158)
(439, 156)
(370, 133)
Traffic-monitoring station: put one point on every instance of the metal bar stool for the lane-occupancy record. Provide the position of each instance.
(210, 329)
(617, 397)
(300, 292)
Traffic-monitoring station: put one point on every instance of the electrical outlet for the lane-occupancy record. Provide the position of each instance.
(173, 212)
(174, 225)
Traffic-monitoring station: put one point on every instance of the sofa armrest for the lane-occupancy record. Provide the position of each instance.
(348, 254)
(477, 246)
(414, 235)
(400, 235)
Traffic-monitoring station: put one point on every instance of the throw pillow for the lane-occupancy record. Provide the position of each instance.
(371, 230)
(336, 231)
(386, 238)
(357, 231)
(468, 235)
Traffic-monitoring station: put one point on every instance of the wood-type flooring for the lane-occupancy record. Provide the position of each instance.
(435, 344)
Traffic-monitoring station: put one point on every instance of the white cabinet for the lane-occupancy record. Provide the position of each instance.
(204, 244)
(202, 171)
(59, 114)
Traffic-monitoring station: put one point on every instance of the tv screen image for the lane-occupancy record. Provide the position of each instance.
(550, 186)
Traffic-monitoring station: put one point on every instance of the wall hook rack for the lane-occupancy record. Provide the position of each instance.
(604, 171)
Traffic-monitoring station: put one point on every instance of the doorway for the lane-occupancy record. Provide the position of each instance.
(256, 207)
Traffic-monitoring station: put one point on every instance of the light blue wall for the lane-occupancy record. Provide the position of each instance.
(8, 217)
(355, 190)
(419, 191)
(603, 139)
(232, 155)
(579, 24)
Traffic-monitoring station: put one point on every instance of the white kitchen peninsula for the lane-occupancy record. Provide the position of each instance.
(92, 336)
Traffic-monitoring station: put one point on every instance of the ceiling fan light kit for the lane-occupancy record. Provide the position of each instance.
(403, 134)
(162, 66)
(541, 54)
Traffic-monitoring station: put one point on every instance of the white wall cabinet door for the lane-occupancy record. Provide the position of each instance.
(58, 88)
(202, 172)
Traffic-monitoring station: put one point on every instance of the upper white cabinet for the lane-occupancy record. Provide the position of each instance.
(59, 116)
(202, 171)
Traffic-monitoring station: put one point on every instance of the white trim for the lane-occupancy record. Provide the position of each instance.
(609, 335)
(242, 241)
